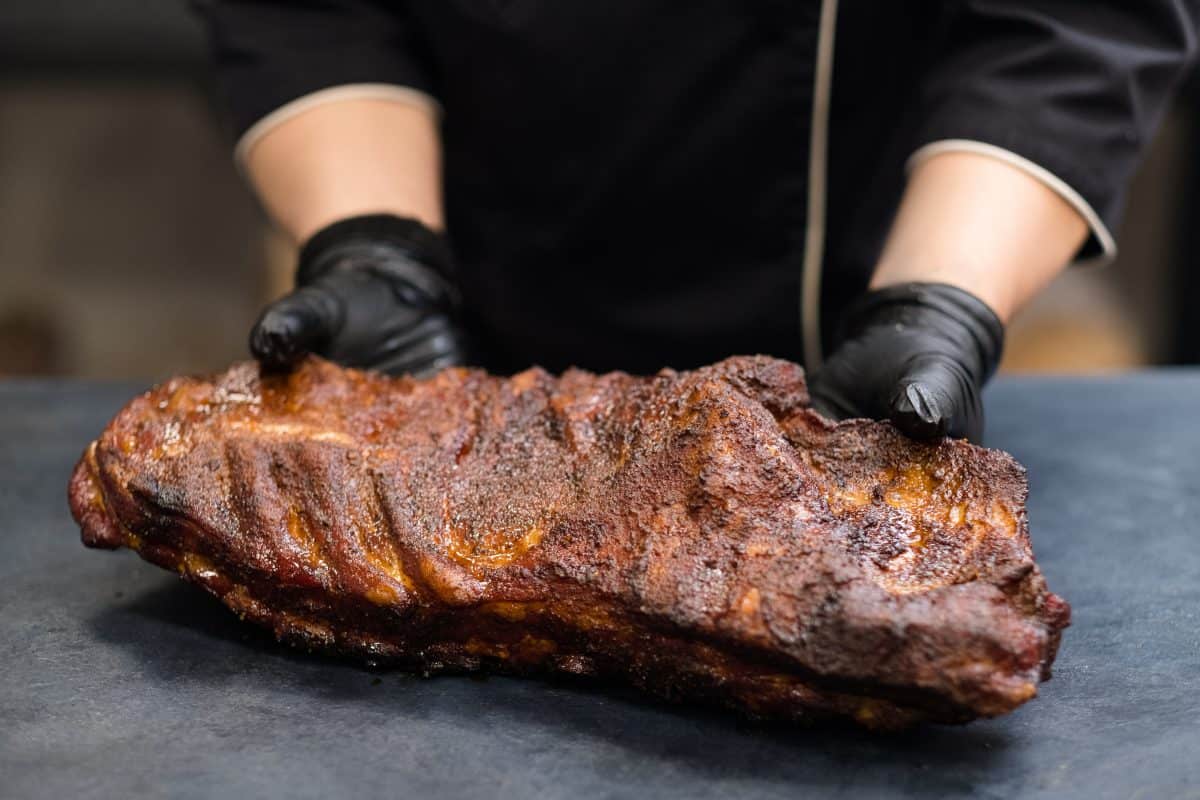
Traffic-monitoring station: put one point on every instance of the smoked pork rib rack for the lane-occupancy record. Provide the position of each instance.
(702, 535)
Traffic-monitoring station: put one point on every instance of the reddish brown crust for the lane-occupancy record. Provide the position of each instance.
(703, 535)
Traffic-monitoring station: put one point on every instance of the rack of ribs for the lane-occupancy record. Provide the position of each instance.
(702, 535)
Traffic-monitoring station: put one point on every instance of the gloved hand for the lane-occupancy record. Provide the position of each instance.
(917, 354)
(374, 292)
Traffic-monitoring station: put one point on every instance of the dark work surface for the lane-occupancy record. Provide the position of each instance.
(121, 681)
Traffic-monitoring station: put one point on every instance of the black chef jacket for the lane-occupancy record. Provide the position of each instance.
(627, 181)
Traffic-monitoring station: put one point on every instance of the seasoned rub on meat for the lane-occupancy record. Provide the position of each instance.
(702, 535)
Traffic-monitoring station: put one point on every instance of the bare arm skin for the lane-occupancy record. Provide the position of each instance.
(349, 158)
(982, 225)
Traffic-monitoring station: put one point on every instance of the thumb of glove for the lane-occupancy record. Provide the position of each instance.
(936, 397)
(303, 322)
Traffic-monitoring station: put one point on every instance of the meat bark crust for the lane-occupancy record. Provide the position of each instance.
(702, 535)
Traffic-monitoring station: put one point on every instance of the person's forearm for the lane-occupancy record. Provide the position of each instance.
(982, 225)
(349, 158)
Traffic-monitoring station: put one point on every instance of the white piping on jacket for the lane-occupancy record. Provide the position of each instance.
(818, 151)
(1108, 245)
(334, 94)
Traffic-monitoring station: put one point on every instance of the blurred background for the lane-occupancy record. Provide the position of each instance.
(130, 248)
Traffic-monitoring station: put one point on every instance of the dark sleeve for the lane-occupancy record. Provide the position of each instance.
(270, 52)
(1078, 88)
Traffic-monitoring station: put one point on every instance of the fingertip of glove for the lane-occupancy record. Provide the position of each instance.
(275, 340)
(916, 411)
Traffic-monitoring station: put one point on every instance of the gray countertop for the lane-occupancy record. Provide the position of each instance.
(120, 681)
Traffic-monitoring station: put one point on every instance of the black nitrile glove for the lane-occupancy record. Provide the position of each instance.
(917, 354)
(373, 292)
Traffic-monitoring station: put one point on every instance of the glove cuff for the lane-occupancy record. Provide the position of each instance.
(395, 248)
(963, 316)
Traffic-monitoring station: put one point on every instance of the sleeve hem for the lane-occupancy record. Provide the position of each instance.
(1099, 232)
(333, 94)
